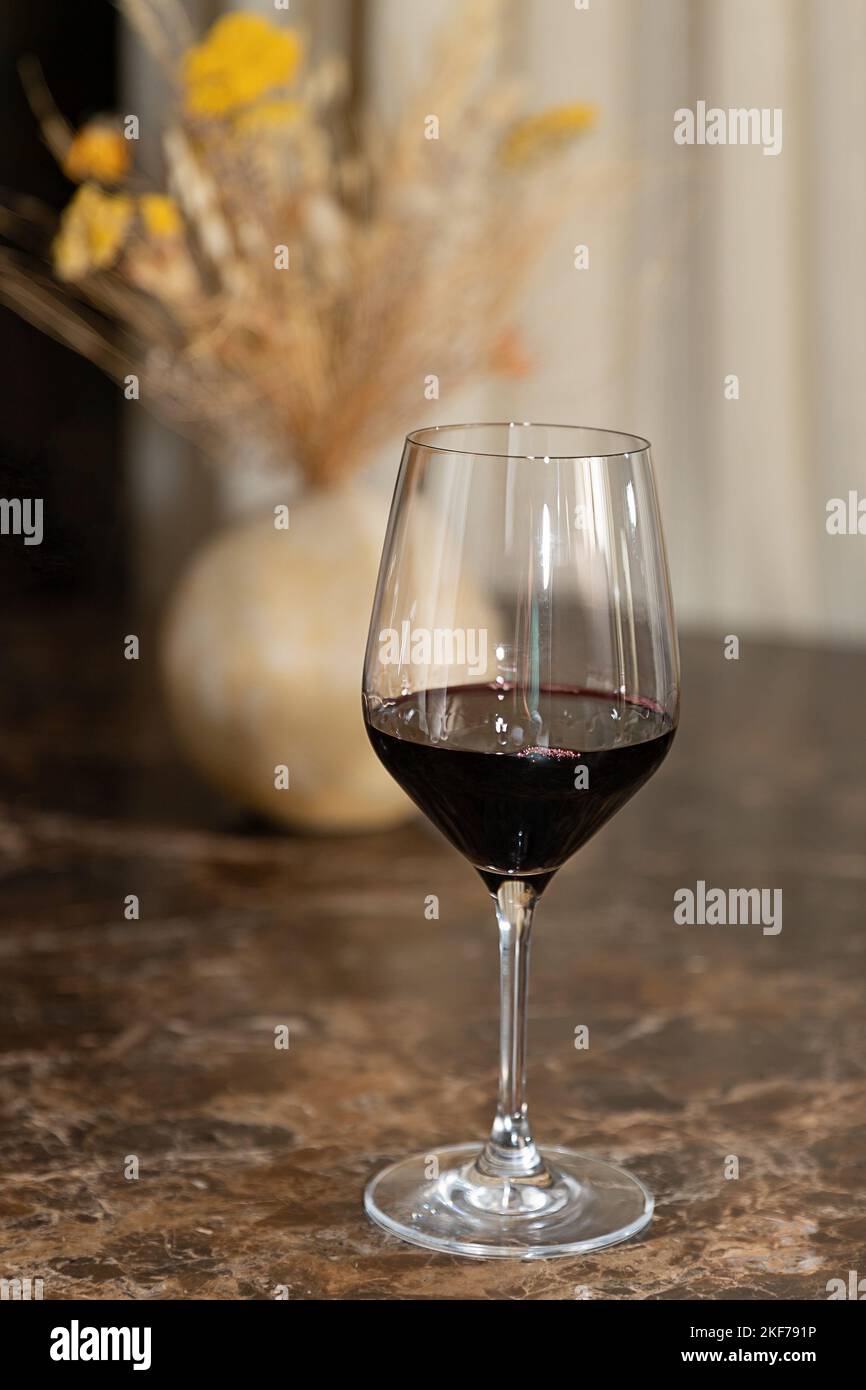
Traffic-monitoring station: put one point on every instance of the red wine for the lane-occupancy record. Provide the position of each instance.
(518, 788)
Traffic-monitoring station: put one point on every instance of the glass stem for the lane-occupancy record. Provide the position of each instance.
(510, 1151)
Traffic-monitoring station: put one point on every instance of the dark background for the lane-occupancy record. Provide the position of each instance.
(59, 416)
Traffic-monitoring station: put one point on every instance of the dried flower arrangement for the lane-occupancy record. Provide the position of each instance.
(283, 286)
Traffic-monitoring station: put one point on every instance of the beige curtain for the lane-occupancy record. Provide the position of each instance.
(705, 262)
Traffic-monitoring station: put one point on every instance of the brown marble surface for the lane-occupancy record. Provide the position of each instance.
(155, 1038)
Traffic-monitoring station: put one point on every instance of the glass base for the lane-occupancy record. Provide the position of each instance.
(442, 1201)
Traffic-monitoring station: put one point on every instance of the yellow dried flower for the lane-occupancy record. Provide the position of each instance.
(541, 134)
(160, 215)
(267, 116)
(92, 231)
(242, 57)
(99, 151)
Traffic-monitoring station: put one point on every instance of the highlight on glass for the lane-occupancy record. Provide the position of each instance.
(521, 683)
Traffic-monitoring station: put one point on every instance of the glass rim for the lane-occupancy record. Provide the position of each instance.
(421, 437)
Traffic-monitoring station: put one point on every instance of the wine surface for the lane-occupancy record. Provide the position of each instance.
(517, 788)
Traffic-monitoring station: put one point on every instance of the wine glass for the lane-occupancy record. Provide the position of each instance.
(521, 682)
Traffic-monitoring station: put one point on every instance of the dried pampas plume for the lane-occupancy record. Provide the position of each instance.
(291, 284)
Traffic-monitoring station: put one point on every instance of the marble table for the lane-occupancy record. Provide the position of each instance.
(157, 1145)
